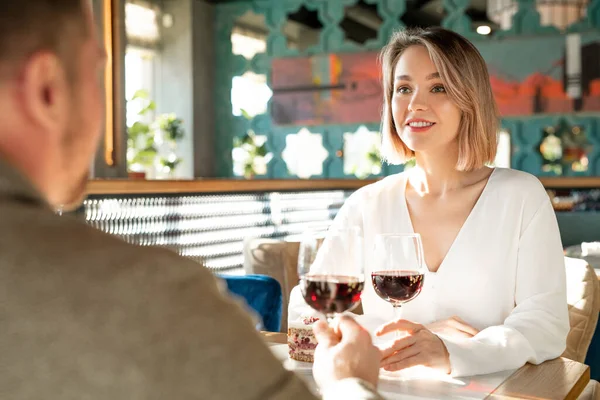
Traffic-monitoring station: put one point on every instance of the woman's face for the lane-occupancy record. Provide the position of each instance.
(424, 115)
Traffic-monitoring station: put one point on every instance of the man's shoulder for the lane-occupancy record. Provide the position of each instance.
(71, 244)
(96, 247)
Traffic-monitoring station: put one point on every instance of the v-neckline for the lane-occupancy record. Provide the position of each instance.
(462, 228)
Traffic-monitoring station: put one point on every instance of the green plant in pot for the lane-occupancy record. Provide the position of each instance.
(250, 154)
(152, 142)
(369, 165)
(171, 131)
(141, 150)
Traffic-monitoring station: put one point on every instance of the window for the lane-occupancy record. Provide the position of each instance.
(141, 24)
(143, 38)
(247, 42)
(250, 93)
(139, 75)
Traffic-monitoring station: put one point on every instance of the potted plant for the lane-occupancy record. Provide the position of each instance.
(250, 154)
(152, 142)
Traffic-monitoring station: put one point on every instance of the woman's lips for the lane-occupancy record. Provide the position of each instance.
(420, 126)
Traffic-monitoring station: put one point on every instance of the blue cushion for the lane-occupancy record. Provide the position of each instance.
(262, 294)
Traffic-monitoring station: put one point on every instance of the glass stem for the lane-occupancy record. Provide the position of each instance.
(329, 318)
(397, 316)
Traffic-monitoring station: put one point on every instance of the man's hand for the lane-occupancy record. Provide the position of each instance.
(344, 351)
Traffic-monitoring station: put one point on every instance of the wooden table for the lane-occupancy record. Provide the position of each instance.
(554, 379)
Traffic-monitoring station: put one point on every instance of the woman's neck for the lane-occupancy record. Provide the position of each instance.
(436, 174)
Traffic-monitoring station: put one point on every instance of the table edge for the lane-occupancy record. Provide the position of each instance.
(574, 392)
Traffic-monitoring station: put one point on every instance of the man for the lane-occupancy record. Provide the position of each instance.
(84, 315)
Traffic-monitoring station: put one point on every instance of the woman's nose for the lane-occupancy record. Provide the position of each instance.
(417, 102)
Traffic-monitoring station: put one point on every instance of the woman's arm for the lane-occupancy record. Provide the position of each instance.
(537, 328)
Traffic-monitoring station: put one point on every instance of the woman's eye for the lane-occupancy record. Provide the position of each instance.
(438, 89)
(403, 90)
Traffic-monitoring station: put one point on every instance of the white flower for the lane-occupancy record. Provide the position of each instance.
(239, 155)
(259, 140)
(259, 166)
(357, 146)
(238, 169)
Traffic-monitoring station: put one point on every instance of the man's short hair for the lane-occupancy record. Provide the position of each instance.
(29, 26)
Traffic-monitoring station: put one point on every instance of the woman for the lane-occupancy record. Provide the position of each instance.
(494, 290)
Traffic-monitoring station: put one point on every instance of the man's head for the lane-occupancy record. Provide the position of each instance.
(50, 93)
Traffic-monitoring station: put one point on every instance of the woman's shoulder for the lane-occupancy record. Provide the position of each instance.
(512, 180)
(377, 193)
(387, 185)
(516, 176)
(519, 187)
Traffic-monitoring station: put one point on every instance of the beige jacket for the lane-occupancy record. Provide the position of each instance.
(84, 315)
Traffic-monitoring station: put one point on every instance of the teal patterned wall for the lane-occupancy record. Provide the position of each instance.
(526, 132)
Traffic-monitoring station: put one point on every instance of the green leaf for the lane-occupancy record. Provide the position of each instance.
(374, 158)
(151, 106)
(248, 139)
(141, 94)
(138, 128)
(145, 157)
(262, 151)
(248, 171)
(245, 114)
(149, 142)
(170, 164)
(174, 129)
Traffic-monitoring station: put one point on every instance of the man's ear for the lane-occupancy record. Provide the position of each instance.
(45, 92)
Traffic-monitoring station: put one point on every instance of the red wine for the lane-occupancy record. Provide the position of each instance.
(397, 286)
(331, 293)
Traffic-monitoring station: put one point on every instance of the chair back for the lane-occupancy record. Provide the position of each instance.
(262, 294)
(583, 298)
(277, 259)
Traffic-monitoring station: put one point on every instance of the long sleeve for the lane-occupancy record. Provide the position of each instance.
(536, 329)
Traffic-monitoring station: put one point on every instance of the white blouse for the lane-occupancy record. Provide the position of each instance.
(504, 274)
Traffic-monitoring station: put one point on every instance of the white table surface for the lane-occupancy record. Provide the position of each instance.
(417, 383)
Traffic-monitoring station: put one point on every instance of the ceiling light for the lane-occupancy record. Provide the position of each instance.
(559, 13)
(484, 30)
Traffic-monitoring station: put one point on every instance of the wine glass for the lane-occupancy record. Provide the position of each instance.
(331, 270)
(399, 268)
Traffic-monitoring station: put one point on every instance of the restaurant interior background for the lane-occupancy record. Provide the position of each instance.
(233, 126)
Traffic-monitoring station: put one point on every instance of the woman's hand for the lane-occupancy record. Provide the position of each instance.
(418, 347)
(453, 327)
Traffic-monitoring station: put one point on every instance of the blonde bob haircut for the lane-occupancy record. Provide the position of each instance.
(464, 74)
